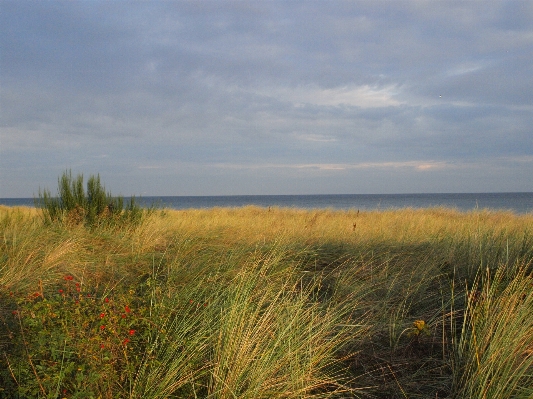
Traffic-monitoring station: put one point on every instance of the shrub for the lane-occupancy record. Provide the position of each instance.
(72, 340)
(74, 206)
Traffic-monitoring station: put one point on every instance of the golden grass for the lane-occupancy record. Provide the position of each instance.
(369, 274)
(254, 224)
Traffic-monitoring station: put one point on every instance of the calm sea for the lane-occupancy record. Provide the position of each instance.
(516, 202)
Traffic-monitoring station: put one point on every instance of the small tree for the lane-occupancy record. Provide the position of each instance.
(96, 206)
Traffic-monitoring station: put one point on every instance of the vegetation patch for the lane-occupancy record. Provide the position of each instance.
(262, 303)
(74, 205)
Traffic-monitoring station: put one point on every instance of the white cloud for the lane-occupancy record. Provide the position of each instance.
(364, 96)
(417, 165)
(466, 67)
(320, 138)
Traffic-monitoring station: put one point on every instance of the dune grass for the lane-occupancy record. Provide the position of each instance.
(268, 303)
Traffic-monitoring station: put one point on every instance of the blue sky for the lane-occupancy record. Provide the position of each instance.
(267, 97)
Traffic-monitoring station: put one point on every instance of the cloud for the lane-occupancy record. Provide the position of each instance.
(319, 138)
(363, 96)
(465, 68)
(418, 165)
(303, 95)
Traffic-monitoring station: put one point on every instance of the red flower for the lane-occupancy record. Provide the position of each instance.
(106, 300)
(123, 316)
(102, 315)
(14, 313)
(60, 291)
(77, 284)
(102, 346)
(127, 309)
(125, 341)
(131, 332)
(102, 327)
(68, 278)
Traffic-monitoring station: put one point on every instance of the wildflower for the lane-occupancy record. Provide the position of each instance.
(125, 341)
(106, 300)
(127, 309)
(68, 277)
(131, 332)
(14, 313)
(419, 325)
(102, 315)
(77, 284)
(102, 327)
(102, 346)
(61, 291)
(123, 316)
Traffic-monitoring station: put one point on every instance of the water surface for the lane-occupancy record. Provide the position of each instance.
(515, 202)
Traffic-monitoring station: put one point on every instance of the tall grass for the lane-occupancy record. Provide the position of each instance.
(495, 353)
(256, 302)
(273, 338)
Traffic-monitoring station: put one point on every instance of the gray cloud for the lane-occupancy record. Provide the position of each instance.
(185, 97)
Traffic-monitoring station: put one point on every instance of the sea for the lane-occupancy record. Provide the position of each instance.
(520, 203)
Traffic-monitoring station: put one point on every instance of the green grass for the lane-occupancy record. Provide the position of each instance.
(267, 303)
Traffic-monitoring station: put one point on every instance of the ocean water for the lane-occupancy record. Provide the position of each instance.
(516, 202)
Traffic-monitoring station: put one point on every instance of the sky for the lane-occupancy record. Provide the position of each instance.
(267, 97)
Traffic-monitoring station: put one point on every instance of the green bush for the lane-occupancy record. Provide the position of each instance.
(74, 206)
(72, 340)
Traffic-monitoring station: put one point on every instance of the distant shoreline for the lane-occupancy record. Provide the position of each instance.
(518, 202)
